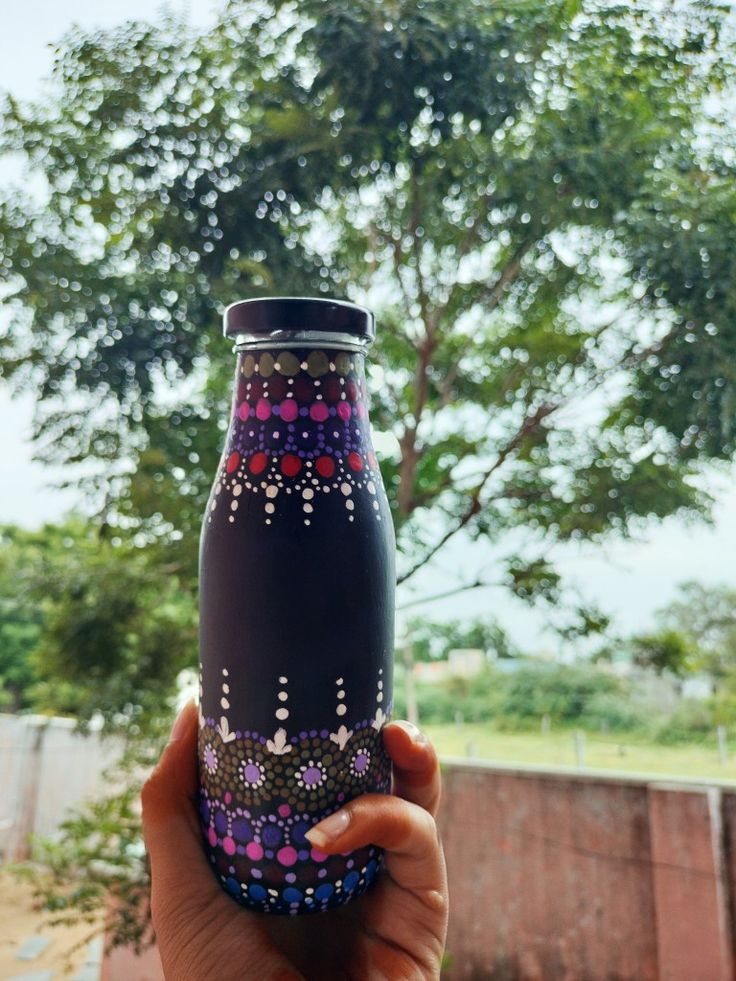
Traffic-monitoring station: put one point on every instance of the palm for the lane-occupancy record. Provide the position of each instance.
(396, 930)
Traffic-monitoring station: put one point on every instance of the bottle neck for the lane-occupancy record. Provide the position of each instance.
(302, 404)
(300, 383)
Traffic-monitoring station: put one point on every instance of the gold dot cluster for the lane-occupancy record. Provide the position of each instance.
(283, 773)
(288, 364)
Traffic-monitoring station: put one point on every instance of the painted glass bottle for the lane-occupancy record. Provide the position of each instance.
(296, 608)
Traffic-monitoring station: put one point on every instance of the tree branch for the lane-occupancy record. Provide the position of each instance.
(530, 423)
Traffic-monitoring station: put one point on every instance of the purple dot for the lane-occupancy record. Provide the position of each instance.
(322, 873)
(324, 734)
(312, 732)
(269, 853)
(303, 411)
(302, 735)
(312, 775)
(303, 854)
(256, 873)
(360, 762)
(291, 876)
(252, 773)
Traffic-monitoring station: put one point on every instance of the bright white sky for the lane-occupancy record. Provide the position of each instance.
(629, 580)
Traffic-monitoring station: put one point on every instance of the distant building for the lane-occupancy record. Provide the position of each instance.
(432, 672)
(467, 662)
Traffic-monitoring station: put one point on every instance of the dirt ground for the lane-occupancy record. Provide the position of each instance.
(67, 951)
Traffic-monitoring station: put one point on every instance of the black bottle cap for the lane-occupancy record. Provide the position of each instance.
(268, 314)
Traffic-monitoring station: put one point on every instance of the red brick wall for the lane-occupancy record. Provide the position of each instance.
(587, 878)
(561, 876)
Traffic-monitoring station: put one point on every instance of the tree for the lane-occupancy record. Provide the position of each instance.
(91, 623)
(435, 640)
(663, 651)
(705, 616)
(536, 197)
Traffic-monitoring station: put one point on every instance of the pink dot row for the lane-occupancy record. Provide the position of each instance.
(289, 410)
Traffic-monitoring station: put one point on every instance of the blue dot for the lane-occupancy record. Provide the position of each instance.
(242, 829)
(324, 891)
(221, 821)
(232, 885)
(350, 881)
(298, 831)
(292, 895)
(370, 870)
(271, 835)
(257, 892)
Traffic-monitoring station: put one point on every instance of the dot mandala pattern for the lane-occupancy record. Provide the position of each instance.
(260, 795)
(299, 429)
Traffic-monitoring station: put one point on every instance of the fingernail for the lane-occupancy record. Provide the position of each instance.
(180, 724)
(413, 732)
(329, 829)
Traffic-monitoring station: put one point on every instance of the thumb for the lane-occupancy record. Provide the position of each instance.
(170, 824)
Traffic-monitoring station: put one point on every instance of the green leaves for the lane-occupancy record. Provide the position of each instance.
(536, 198)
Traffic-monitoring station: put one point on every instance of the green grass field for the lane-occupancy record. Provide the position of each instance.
(609, 752)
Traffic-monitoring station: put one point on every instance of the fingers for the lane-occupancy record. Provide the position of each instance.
(416, 768)
(404, 830)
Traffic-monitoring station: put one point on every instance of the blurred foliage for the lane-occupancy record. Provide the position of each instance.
(91, 624)
(537, 198)
(430, 640)
(96, 864)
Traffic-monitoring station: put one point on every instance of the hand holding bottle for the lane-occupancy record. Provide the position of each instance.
(396, 931)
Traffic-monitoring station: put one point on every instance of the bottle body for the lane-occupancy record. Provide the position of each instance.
(296, 629)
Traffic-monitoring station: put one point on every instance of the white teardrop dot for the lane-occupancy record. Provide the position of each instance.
(272, 490)
(237, 490)
(226, 689)
(270, 508)
(308, 508)
(346, 489)
(283, 696)
(283, 680)
(371, 487)
(379, 696)
(224, 672)
(224, 702)
(380, 684)
(307, 493)
(341, 693)
(234, 505)
(339, 681)
(350, 505)
(282, 713)
(341, 709)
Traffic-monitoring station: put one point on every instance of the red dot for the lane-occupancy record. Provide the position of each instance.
(232, 462)
(325, 466)
(258, 462)
(303, 389)
(354, 461)
(291, 465)
(351, 389)
(331, 390)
